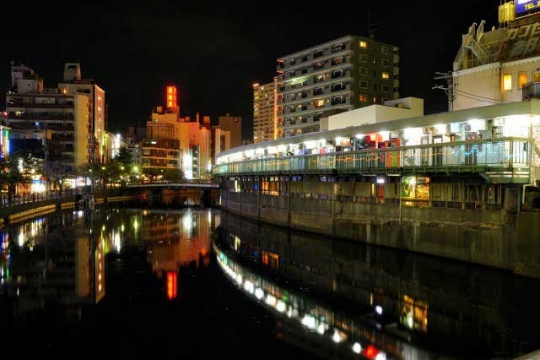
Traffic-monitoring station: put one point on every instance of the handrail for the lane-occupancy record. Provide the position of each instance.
(497, 155)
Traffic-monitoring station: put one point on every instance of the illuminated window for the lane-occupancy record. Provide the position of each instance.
(507, 82)
(522, 79)
(385, 75)
(536, 76)
(363, 98)
(363, 44)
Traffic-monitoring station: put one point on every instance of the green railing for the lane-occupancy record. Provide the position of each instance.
(505, 156)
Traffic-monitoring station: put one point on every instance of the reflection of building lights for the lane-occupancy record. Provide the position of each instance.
(259, 293)
(21, 239)
(248, 286)
(187, 223)
(281, 306)
(270, 299)
(238, 279)
(117, 242)
(337, 336)
(171, 285)
(308, 321)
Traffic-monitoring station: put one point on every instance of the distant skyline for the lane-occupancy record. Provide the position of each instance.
(214, 52)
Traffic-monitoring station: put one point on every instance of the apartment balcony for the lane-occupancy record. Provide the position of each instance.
(531, 91)
(35, 105)
(40, 116)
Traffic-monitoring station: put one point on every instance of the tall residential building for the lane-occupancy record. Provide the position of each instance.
(499, 65)
(340, 75)
(264, 116)
(73, 84)
(233, 124)
(54, 120)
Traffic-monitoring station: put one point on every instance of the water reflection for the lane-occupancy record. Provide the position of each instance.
(336, 299)
(55, 259)
(379, 302)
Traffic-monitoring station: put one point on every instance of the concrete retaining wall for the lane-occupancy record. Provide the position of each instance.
(494, 238)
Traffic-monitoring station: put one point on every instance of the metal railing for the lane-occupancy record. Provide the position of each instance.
(490, 155)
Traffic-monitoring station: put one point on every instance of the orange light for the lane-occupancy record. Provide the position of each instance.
(171, 98)
(172, 290)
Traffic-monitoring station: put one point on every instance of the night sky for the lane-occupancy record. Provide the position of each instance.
(213, 51)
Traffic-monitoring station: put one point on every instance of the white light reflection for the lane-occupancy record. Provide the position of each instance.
(187, 223)
(281, 306)
(20, 239)
(357, 348)
(117, 242)
(309, 321)
(249, 287)
(270, 299)
(285, 305)
(239, 279)
(337, 336)
(259, 293)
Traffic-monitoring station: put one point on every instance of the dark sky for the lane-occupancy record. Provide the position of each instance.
(213, 51)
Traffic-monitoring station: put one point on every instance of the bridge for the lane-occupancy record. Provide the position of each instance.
(199, 184)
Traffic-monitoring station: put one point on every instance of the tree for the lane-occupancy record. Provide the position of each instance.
(16, 170)
(57, 173)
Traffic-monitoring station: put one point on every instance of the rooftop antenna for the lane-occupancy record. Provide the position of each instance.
(449, 89)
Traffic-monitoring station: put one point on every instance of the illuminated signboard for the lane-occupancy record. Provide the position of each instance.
(526, 6)
(171, 99)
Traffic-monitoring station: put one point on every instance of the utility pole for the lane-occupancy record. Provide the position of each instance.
(449, 89)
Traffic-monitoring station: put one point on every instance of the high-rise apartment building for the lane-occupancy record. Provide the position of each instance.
(264, 124)
(340, 75)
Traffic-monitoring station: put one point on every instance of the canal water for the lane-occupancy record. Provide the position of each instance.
(200, 283)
